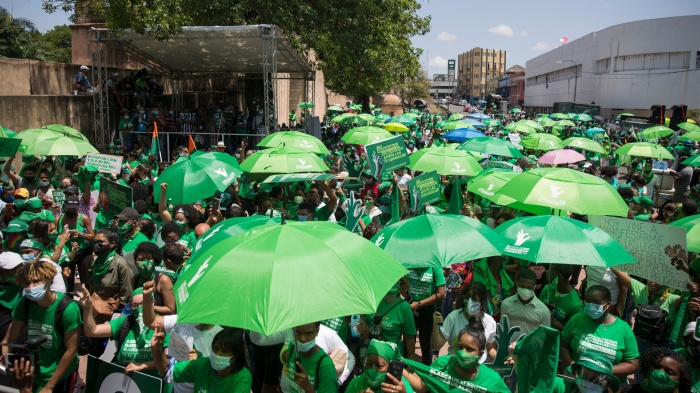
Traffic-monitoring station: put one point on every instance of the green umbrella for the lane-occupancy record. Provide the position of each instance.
(492, 146)
(334, 108)
(306, 105)
(33, 136)
(624, 114)
(692, 231)
(584, 144)
(441, 240)
(454, 125)
(365, 135)
(566, 189)
(353, 118)
(644, 149)
(65, 130)
(456, 116)
(445, 161)
(555, 239)
(395, 127)
(690, 136)
(692, 161)
(405, 120)
(367, 117)
(295, 139)
(488, 184)
(519, 128)
(690, 127)
(284, 276)
(7, 133)
(545, 121)
(229, 228)
(196, 177)
(383, 117)
(559, 116)
(283, 159)
(492, 123)
(61, 146)
(411, 115)
(564, 123)
(340, 118)
(531, 123)
(583, 117)
(415, 111)
(571, 115)
(544, 142)
(516, 110)
(656, 132)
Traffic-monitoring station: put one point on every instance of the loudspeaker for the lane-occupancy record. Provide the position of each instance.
(313, 127)
(657, 114)
(679, 116)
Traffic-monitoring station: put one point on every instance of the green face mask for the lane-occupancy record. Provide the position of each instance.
(146, 268)
(53, 236)
(181, 224)
(466, 359)
(374, 378)
(124, 228)
(659, 381)
(658, 291)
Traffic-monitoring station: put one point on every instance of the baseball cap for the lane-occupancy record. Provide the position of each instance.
(16, 226)
(22, 192)
(31, 243)
(33, 203)
(71, 190)
(599, 363)
(690, 328)
(128, 213)
(9, 260)
(84, 67)
(71, 202)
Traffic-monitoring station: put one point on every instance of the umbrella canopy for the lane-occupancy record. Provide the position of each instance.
(455, 125)
(690, 136)
(558, 116)
(395, 127)
(644, 149)
(488, 184)
(544, 142)
(365, 135)
(692, 229)
(456, 116)
(520, 128)
(196, 177)
(555, 239)
(306, 105)
(571, 115)
(478, 116)
(566, 189)
(690, 127)
(445, 161)
(33, 136)
(405, 120)
(492, 123)
(441, 240)
(564, 123)
(7, 133)
(295, 139)
(583, 117)
(65, 130)
(516, 110)
(61, 146)
(383, 117)
(584, 144)
(624, 114)
(229, 228)
(415, 111)
(296, 264)
(462, 134)
(282, 160)
(556, 157)
(656, 132)
(334, 108)
(595, 130)
(531, 123)
(492, 146)
(692, 161)
(474, 123)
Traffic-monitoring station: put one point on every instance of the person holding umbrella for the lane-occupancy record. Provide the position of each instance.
(492, 273)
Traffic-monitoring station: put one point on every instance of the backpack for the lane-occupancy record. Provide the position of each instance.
(58, 314)
(650, 323)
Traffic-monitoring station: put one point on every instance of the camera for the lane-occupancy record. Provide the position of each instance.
(28, 351)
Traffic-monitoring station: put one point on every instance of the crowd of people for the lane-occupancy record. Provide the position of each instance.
(122, 270)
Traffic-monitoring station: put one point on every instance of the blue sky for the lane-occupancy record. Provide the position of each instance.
(523, 28)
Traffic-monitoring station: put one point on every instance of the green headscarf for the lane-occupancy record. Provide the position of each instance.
(382, 348)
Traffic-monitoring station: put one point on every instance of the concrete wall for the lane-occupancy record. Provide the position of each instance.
(22, 112)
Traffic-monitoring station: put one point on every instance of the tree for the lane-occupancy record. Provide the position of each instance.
(416, 87)
(363, 46)
(16, 36)
(57, 44)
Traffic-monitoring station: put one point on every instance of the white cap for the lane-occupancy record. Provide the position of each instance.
(690, 328)
(220, 144)
(9, 260)
(342, 175)
(115, 74)
(84, 67)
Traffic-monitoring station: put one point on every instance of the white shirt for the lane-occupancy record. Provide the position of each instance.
(403, 181)
(528, 316)
(456, 321)
(605, 277)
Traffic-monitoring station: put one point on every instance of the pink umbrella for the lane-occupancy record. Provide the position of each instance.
(565, 156)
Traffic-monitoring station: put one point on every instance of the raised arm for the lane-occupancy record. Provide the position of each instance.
(163, 204)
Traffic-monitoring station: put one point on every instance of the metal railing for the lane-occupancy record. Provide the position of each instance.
(174, 139)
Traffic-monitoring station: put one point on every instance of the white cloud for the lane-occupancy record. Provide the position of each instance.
(523, 33)
(540, 46)
(446, 37)
(502, 30)
(438, 62)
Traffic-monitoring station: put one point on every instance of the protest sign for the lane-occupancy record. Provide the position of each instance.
(179, 347)
(114, 197)
(660, 250)
(105, 163)
(505, 334)
(292, 177)
(387, 155)
(515, 140)
(502, 165)
(104, 377)
(58, 197)
(9, 146)
(424, 189)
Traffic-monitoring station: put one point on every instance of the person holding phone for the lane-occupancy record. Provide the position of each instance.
(382, 371)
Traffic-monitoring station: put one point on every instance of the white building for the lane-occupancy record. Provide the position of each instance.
(626, 67)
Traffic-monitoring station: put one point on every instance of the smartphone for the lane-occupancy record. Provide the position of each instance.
(217, 204)
(396, 370)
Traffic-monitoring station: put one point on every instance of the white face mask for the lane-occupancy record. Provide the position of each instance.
(525, 294)
(473, 307)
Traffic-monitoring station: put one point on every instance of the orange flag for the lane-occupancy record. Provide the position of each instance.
(190, 145)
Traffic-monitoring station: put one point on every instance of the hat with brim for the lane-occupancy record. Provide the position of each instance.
(599, 363)
(33, 203)
(10, 260)
(690, 329)
(71, 203)
(16, 226)
(31, 243)
(22, 192)
(128, 214)
(28, 217)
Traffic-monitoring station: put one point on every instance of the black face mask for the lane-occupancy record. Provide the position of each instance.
(71, 213)
(29, 179)
(101, 248)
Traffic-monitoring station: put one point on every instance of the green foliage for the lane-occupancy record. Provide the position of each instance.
(21, 40)
(417, 87)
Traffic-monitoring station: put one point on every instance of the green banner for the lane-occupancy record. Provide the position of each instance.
(424, 189)
(58, 197)
(538, 357)
(9, 146)
(292, 177)
(440, 381)
(387, 155)
(501, 165)
(106, 377)
(114, 197)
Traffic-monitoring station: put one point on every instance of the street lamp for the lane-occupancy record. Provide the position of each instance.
(575, 74)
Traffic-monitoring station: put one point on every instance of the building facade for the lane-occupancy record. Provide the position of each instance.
(441, 86)
(475, 69)
(626, 67)
(504, 86)
(516, 96)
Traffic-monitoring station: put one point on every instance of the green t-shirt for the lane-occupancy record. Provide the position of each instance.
(41, 323)
(616, 340)
(641, 296)
(424, 281)
(695, 373)
(327, 380)
(205, 380)
(136, 347)
(359, 383)
(322, 213)
(396, 322)
(338, 325)
(188, 239)
(131, 244)
(9, 294)
(486, 381)
(564, 307)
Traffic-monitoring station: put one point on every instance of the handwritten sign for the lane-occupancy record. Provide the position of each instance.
(660, 250)
(180, 346)
(424, 189)
(387, 155)
(114, 197)
(105, 163)
(58, 197)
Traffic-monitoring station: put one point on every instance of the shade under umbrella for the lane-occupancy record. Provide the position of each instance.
(445, 161)
(644, 149)
(295, 139)
(492, 146)
(565, 156)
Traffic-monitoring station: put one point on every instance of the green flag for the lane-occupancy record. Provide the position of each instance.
(395, 204)
(9, 146)
(538, 354)
(456, 199)
(155, 143)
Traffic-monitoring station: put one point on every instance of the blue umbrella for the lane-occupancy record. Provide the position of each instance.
(478, 116)
(462, 134)
(475, 123)
(592, 131)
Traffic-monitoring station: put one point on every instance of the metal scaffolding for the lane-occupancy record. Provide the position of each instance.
(100, 100)
(269, 38)
(309, 96)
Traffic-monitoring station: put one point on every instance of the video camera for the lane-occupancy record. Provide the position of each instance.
(28, 351)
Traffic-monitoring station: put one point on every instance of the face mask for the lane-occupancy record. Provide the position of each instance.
(473, 307)
(49, 169)
(658, 291)
(124, 228)
(35, 293)
(369, 203)
(659, 381)
(101, 248)
(466, 359)
(588, 386)
(525, 294)
(595, 311)
(302, 218)
(181, 154)
(219, 363)
(384, 209)
(260, 112)
(155, 112)
(28, 257)
(135, 312)
(146, 268)
(43, 183)
(144, 181)
(181, 224)
(307, 346)
(393, 291)
(374, 378)
(298, 200)
(53, 236)
(126, 117)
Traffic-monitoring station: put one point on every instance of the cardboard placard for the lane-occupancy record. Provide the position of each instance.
(114, 197)
(106, 377)
(424, 189)
(387, 155)
(58, 197)
(105, 163)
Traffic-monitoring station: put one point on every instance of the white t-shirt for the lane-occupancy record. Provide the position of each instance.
(403, 181)
(596, 275)
(456, 321)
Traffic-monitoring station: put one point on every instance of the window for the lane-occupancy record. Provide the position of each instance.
(652, 61)
(697, 59)
(603, 66)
